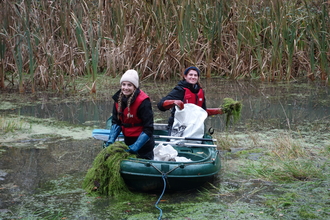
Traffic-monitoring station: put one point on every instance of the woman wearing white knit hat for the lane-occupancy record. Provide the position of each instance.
(132, 114)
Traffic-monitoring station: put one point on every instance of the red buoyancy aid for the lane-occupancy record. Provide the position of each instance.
(194, 98)
(131, 123)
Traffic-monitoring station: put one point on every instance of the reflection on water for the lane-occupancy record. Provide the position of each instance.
(285, 103)
(35, 165)
(26, 169)
(75, 113)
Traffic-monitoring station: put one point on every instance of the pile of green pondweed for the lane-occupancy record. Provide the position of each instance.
(104, 177)
(232, 109)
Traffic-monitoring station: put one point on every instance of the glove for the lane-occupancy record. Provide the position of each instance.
(114, 132)
(142, 140)
(170, 103)
(214, 111)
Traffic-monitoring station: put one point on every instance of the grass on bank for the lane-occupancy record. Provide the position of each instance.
(281, 159)
(9, 124)
(287, 175)
(287, 160)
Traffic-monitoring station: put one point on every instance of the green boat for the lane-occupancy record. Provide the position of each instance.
(151, 175)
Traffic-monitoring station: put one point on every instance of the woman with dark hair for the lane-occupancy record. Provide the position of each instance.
(188, 90)
(132, 114)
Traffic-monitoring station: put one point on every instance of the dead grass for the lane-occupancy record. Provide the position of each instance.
(49, 44)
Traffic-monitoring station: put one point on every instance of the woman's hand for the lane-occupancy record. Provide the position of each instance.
(170, 103)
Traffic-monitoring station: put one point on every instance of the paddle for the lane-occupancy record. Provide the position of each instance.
(185, 138)
(186, 144)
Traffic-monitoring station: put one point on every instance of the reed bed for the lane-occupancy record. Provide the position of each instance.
(49, 44)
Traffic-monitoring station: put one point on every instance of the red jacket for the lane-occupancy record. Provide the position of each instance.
(131, 124)
(194, 98)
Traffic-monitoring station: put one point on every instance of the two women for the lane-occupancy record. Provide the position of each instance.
(132, 111)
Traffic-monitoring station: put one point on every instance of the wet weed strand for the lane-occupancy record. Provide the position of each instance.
(104, 177)
(232, 109)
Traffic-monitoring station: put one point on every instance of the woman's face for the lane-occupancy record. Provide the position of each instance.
(127, 88)
(191, 77)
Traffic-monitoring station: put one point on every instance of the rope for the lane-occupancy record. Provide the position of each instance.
(164, 175)
(156, 204)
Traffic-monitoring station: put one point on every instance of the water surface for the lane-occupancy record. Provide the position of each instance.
(41, 177)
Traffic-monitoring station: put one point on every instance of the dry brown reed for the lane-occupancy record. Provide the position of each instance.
(48, 44)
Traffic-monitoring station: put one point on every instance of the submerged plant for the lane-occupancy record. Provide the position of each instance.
(104, 177)
(11, 124)
(232, 109)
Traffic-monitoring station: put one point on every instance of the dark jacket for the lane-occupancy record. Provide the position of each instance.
(145, 113)
(178, 94)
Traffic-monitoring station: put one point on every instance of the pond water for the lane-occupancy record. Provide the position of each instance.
(41, 176)
(287, 103)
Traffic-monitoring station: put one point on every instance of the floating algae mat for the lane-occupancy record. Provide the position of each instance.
(104, 177)
(232, 109)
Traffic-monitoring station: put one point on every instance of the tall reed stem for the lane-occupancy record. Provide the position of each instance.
(271, 40)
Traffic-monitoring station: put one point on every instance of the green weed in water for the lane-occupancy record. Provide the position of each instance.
(232, 109)
(104, 177)
(284, 170)
(12, 124)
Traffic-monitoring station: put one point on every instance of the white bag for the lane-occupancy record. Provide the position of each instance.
(168, 153)
(182, 159)
(165, 153)
(189, 122)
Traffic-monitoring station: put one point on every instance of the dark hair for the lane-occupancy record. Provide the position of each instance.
(192, 68)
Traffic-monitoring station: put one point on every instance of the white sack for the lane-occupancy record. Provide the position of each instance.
(165, 153)
(168, 153)
(189, 122)
(182, 159)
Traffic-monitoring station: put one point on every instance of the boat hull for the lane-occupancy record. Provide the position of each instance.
(150, 175)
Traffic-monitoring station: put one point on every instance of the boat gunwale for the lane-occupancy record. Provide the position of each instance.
(169, 175)
(211, 164)
(211, 152)
(204, 165)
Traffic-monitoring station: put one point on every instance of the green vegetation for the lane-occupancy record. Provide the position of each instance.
(277, 176)
(286, 174)
(104, 177)
(51, 44)
(286, 160)
(282, 159)
(268, 172)
(8, 124)
(232, 109)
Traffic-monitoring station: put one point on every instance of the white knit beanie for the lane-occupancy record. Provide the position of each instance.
(132, 77)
